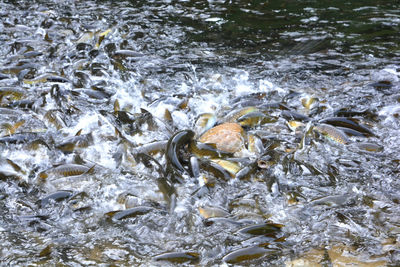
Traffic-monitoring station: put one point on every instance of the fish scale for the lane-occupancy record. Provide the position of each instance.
(332, 133)
(227, 137)
(65, 170)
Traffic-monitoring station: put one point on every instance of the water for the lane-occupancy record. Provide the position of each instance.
(65, 64)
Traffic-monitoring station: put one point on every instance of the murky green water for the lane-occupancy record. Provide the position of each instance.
(85, 86)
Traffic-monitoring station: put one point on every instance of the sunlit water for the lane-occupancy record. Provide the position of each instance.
(65, 64)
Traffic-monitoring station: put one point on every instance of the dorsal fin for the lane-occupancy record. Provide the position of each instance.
(117, 132)
(167, 115)
(78, 132)
(116, 106)
(91, 169)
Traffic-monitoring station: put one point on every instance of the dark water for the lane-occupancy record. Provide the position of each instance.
(65, 65)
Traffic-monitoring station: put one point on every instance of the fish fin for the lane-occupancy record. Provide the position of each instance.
(78, 132)
(117, 132)
(167, 115)
(116, 106)
(91, 170)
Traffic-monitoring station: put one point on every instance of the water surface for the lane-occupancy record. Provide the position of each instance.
(65, 64)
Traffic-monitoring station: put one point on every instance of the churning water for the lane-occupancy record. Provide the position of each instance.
(102, 104)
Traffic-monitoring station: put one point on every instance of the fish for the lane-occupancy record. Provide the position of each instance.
(255, 144)
(101, 36)
(246, 254)
(351, 132)
(57, 196)
(294, 125)
(15, 93)
(230, 166)
(253, 99)
(346, 112)
(255, 118)
(136, 121)
(371, 147)
(293, 115)
(176, 142)
(23, 104)
(15, 166)
(94, 94)
(215, 169)
(150, 162)
(234, 115)
(19, 68)
(55, 117)
(211, 212)
(267, 107)
(194, 167)
(178, 257)
(165, 186)
(204, 122)
(66, 170)
(262, 229)
(73, 142)
(332, 201)
(46, 78)
(5, 175)
(332, 133)
(221, 221)
(246, 171)
(309, 102)
(151, 148)
(348, 123)
(207, 150)
(24, 138)
(11, 128)
(127, 53)
(129, 213)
